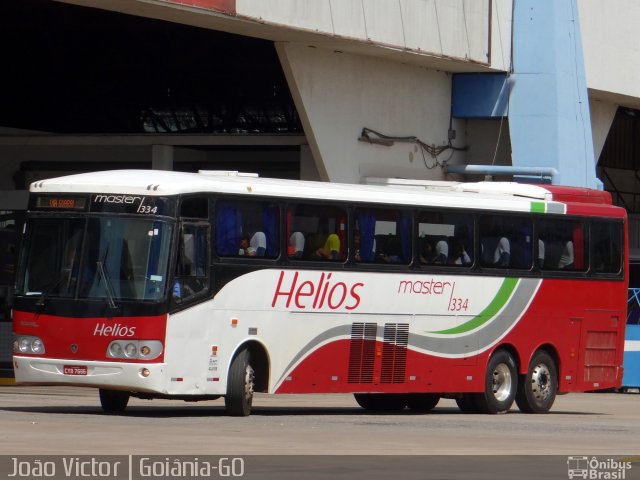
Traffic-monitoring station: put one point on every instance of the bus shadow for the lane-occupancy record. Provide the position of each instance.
(218, 411)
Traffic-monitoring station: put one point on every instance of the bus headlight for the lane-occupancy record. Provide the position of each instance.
(37, 346)
(135, 349)
(130, 350)
(115, 350)
(23, 345)
(28, 344)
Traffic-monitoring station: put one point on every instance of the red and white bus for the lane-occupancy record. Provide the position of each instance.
(193, 286)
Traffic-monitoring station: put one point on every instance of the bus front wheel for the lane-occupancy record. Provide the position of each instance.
(240, 385)
(537, 391)
(500, 384)
(113, 401)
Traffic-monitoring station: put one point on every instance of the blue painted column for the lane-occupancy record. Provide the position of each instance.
(549, 118)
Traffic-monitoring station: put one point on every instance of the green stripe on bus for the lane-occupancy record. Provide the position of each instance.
(504, 293)
(538, 207)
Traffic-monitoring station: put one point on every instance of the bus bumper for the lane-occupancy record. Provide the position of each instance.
(135, 377)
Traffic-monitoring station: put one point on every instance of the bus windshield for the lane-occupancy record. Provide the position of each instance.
(112, 258)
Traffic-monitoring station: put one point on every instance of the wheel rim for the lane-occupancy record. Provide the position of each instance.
(502, 382)
(540, 382)
(249, 380)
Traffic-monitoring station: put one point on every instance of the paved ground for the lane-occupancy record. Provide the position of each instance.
(58, 420)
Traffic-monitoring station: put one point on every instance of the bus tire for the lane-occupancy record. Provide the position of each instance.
(500, 384)
(422, 402)
(381, 401)
(240, 385)
(466, 403)
(113, 401)
(537, 391)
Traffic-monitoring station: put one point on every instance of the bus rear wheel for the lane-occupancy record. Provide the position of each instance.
(240, 385)
(381, 401)
(113, 401)
(537, 391)
(500, 384)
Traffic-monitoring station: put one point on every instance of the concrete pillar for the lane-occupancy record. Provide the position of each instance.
(162, 157)
(549, 118)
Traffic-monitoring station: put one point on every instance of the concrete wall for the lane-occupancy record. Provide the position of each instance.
(611, 49)
(338, 94)
(602, 114)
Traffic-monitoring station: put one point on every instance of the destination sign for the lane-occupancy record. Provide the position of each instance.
(105, 203)
(60, 203)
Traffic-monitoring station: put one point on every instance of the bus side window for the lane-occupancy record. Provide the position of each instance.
(506, 241)
(246, 229)
(383, 236)
(324, 228)
(495, 245)
(445, 239)
(606, 241)
(561, 244)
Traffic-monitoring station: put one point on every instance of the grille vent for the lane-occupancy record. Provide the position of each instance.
(600, 357)
(362, 352)
(394, 352)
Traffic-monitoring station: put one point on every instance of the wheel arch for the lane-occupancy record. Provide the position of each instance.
(259, 361)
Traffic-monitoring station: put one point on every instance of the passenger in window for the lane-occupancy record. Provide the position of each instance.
(501, 255)
(389, 250)
(245, 248)
(434, 255)
(258, 243)
(388, 258)
(358, 254)
(331, 249)
(356, 247)
(460, 256)
(296, 245)
(541, 253)
(495, 246)
(566, 259)
(426, 252)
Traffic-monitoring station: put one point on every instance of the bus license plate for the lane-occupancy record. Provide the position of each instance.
(75, 370)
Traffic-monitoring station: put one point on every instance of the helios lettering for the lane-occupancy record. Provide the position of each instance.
(116, 330)
(316, 294)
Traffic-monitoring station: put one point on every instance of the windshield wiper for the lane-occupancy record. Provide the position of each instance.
(102, 270)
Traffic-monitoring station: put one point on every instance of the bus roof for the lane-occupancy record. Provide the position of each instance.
(481, 195)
